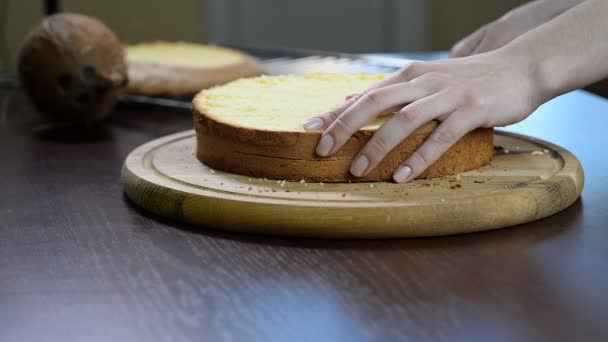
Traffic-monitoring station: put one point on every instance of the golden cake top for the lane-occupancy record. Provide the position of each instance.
(281, 103)
(182, 54)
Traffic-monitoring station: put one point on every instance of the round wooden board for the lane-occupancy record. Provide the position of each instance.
(520, 185)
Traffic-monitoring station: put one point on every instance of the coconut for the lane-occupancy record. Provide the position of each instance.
(73, 68)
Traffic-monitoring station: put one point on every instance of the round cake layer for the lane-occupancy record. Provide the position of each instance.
(254, 127)
(179, 68)
(282, 103)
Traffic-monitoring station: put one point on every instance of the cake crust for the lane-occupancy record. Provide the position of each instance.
(154, 79)
(291, 155)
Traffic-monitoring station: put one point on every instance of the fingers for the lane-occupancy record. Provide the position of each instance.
(443, 137)
(399, 127)
(468, 45)
(405, 74)
(369, 106)
(321, 122)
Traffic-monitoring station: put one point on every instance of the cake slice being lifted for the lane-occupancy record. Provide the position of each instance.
(254, 127)
(179, 68)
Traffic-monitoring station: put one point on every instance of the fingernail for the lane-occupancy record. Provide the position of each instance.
(402, 174)
(359, 166)
(326, 144)
(313, 124)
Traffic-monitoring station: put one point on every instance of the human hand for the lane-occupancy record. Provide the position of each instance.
(510, 26)
(486, 90)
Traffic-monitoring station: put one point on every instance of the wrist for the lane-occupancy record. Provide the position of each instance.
(533, 67)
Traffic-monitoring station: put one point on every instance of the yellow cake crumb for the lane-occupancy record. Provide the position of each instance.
(182, 54)
(283, 102)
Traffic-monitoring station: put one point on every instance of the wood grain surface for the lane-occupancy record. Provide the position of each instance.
(527, 180)
(80, 262)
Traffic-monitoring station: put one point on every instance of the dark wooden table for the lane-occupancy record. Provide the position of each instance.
(78, 262)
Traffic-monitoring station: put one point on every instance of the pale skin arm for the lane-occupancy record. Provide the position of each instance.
(510, 26)
(493, 89)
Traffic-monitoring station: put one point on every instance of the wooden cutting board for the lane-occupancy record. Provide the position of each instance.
(529, 179)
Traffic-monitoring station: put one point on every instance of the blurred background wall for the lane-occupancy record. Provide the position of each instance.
(131, 20)
(339, 25)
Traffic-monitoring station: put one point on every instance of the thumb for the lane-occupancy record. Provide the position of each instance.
(466, 46)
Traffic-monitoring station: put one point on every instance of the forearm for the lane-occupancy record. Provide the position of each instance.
(546, 9)
(566, 53)
(511, 25)
(557, 7)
